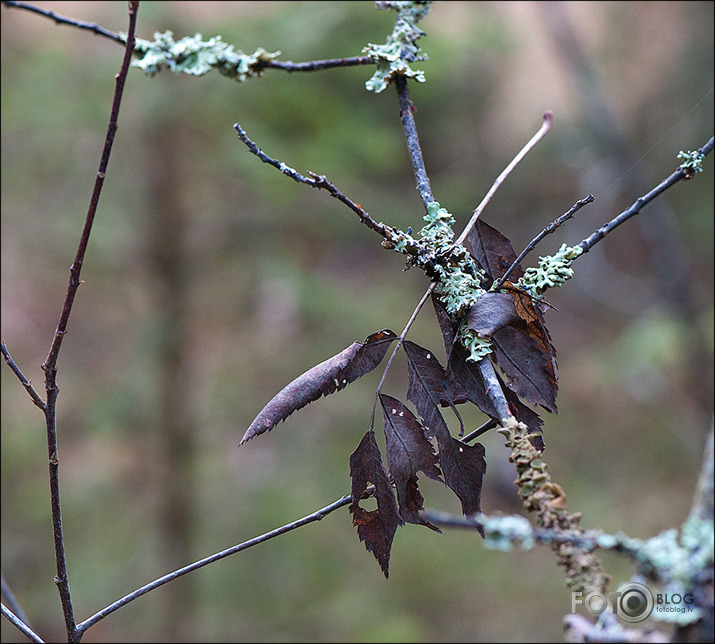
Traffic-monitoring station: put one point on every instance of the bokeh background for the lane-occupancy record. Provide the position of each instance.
(212, 280)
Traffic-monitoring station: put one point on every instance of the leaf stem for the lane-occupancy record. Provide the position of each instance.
(398, 344)
(545, 127)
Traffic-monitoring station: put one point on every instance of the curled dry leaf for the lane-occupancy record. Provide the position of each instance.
(325, 378)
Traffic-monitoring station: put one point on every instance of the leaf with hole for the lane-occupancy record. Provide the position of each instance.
(375, 527)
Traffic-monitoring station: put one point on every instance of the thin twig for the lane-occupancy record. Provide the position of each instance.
(25, 382)
(635, 208)
(545, 127)
(50, 364)
(547, 231)
(287, 66)
(315, 181)
(316, 65)
(12, 602)
(315, 516)
(413, 142)
(63, 20)
(16, 621)
(483, 429)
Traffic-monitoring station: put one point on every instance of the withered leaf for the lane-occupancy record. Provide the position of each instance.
(408, 451)
(376, 527)
(529, 366)
(493, 251)
(426, 390)
(325, 378)
(463, 465)
(491, 312)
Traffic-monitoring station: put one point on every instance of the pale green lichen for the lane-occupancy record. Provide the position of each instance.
(458, 276)
(675, 562)
(394, 57)
(552, 271)
(195, 56)
(693, 161)
(500, 532)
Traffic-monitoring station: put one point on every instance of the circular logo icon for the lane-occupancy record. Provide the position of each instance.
(634, 602)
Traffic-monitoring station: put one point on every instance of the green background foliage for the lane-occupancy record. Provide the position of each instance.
(212, 280)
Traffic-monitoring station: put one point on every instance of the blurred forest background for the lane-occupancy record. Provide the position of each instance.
(212, 280)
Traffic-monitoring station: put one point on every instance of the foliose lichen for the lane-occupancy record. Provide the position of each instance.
(195, 56)
(552, 271)
(693, 162)
(401, 48)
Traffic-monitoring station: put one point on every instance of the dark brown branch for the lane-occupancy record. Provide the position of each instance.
(63, 20)
(641, 202)
(316, 181)
(547, 231)
(483, 429)
(413, 142)
(50, 364)
(25, 382)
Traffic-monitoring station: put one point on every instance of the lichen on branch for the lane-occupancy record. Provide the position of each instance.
(552, 271)
(401, 48)
(195, 56)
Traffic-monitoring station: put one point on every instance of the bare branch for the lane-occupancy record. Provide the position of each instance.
(24, 628)
(50, 364)
(63, 20)
(315, 516)
(317, 65)
(641, 202)
(315, 181)
(413, 142)
(25, 382)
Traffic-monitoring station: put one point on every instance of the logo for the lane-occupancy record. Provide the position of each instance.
(632, 602)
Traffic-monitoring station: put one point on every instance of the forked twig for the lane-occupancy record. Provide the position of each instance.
(547, 231)
(50, 364)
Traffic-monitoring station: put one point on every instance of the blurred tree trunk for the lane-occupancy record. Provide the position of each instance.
(174, 424)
